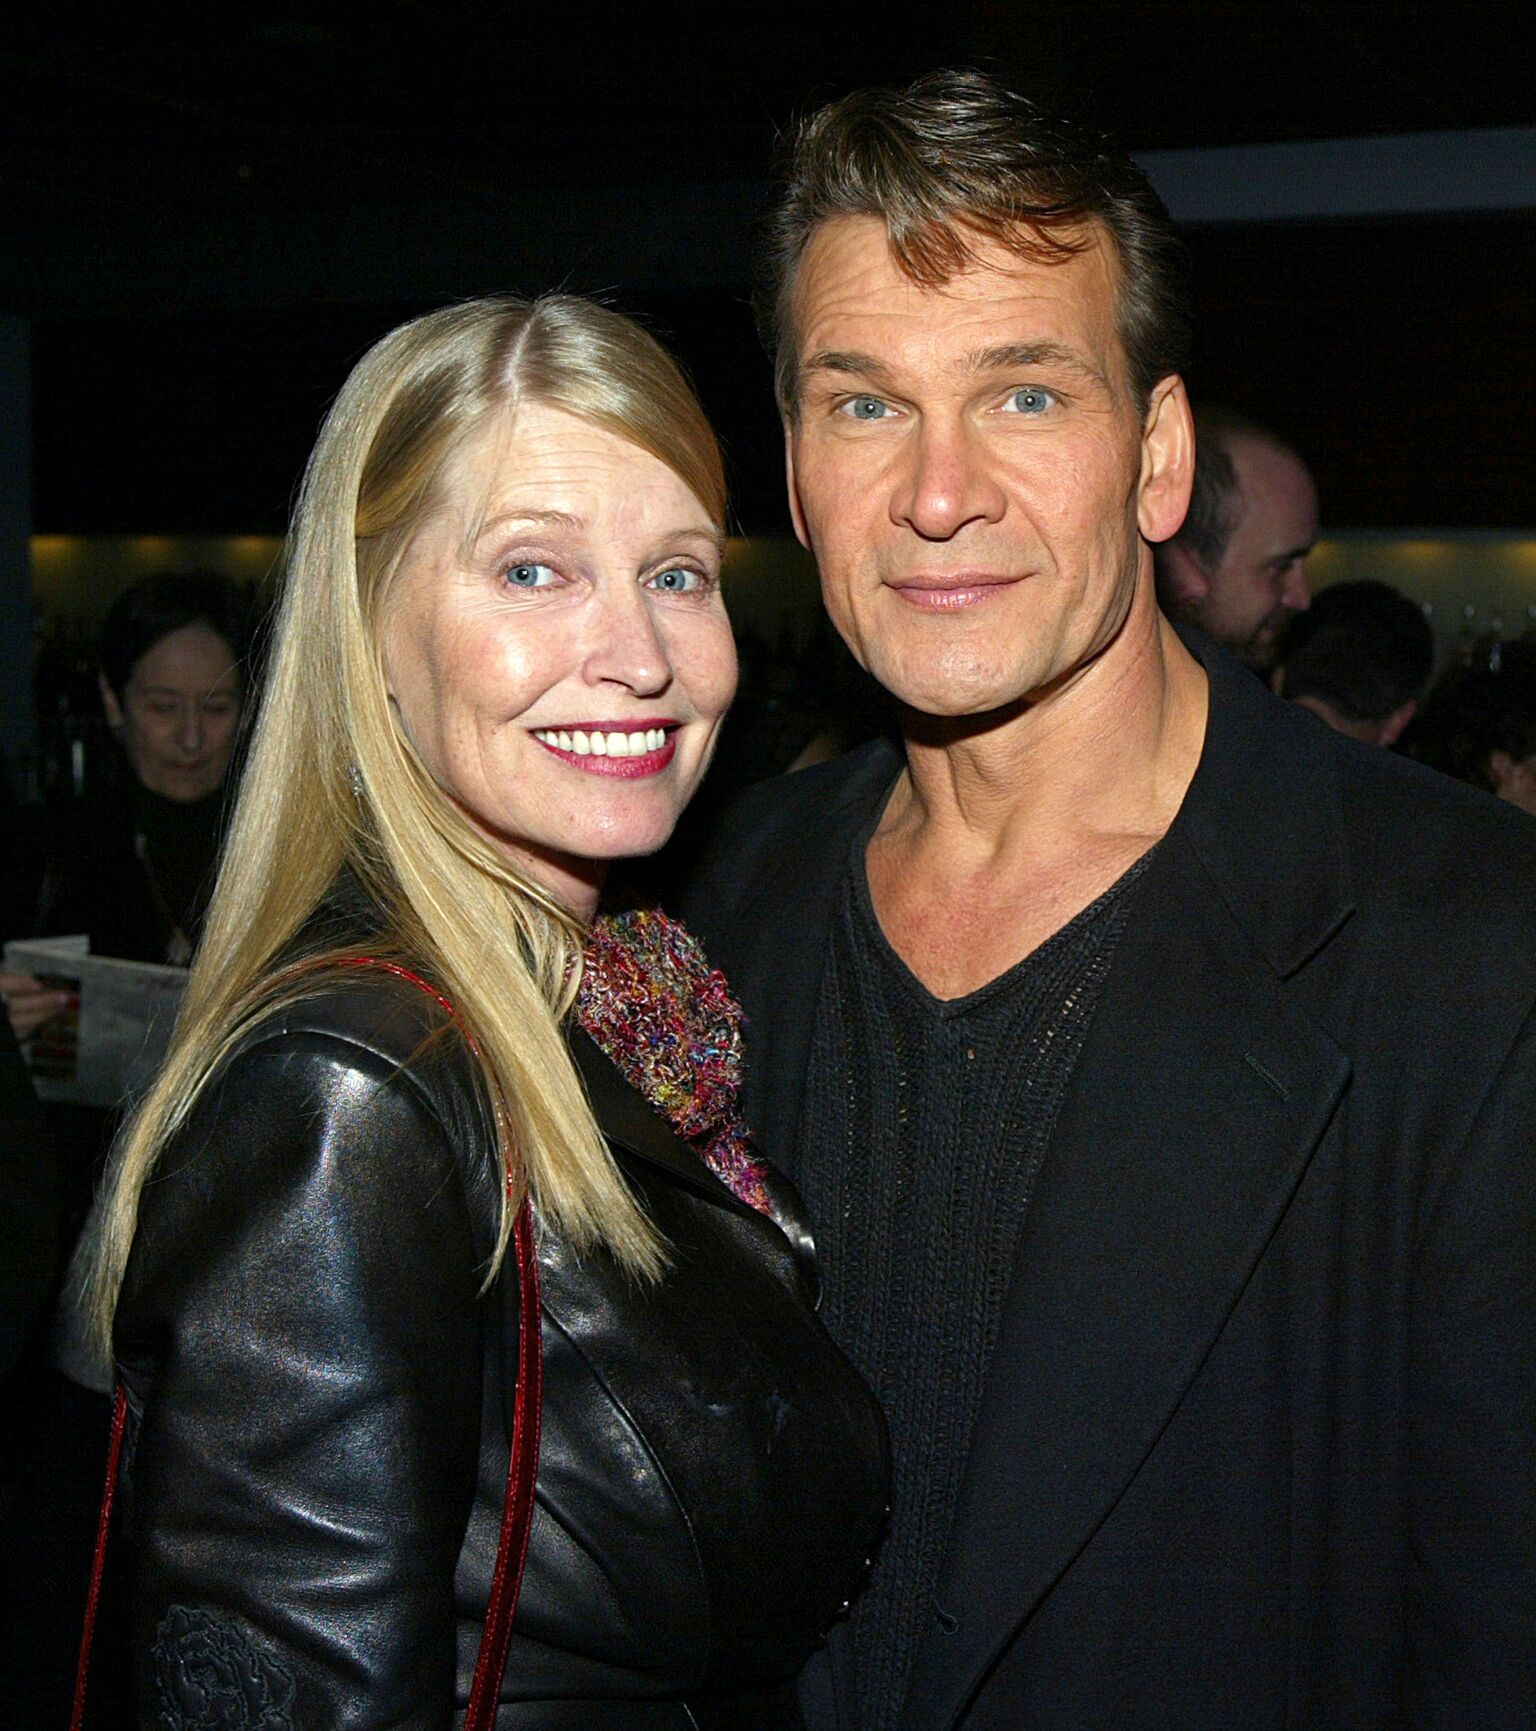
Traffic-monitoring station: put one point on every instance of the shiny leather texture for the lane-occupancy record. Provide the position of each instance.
(321, 1401)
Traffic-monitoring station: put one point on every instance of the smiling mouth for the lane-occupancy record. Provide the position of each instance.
(625, 752)
(943, 594)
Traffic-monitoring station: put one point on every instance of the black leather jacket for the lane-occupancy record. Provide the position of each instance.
(320, 1404)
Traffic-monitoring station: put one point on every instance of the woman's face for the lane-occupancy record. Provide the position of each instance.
(179, 713)
(556, 648)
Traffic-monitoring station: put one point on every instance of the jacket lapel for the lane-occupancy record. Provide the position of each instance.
(629, 1121)
(1198, 1100)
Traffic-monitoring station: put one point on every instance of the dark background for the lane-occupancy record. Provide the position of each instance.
(208, 216)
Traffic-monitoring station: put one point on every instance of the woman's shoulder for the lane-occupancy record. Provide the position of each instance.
(376, 1022)
(357, 1105)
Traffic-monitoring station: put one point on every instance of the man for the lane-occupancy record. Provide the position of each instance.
(1361, 658)
(1237, 566)
(1171, 1185)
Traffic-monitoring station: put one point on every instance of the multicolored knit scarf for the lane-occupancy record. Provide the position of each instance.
(671, 1028)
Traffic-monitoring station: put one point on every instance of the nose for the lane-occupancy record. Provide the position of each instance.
(627, 647)
(189, 730)
(1295, 592)
(946, 482)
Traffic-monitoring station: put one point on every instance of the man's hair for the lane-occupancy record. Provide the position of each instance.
(1362, 647)
(1215, 497)
(956, 159)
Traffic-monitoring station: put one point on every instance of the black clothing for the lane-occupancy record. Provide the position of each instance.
(131, 869)
(1258, 1441)
(31, 1208)
(942, 1111)
(322, 1398)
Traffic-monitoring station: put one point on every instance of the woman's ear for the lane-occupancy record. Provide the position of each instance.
(1167, 460)
(109, 703)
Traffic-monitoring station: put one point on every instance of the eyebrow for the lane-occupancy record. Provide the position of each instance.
(1043, 354)
(478, 532)
(1000, 358)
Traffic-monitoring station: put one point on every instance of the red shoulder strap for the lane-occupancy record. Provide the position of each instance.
(522, 1463)
(99, 1561)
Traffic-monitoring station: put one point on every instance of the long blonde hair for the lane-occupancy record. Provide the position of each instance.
(332, 783)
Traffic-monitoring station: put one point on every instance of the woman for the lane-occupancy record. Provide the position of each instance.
(500, 663)
(132, 864)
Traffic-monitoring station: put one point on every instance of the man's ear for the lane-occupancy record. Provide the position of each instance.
(1501, 769)
(1182, 584)
(1390, 729)
(114, 710)
(796, 509)
(1167, 460)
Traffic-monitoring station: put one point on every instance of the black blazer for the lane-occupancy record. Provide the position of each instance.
(1259, 1443)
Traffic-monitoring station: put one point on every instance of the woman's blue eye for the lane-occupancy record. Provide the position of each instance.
(1030, 401)
(866, 409)
(529, 576)
(677, 580)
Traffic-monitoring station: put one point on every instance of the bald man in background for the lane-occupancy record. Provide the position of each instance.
(1237, 567)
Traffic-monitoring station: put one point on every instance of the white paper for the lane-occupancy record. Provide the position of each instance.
(105, 1051)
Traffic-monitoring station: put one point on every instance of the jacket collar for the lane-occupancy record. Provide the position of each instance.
(1264, 815)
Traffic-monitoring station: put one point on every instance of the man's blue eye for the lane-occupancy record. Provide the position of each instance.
(677, 580)
(1030, 401)
(530, 576)
(866, 409)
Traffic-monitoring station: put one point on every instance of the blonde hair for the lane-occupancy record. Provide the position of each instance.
(332, 783)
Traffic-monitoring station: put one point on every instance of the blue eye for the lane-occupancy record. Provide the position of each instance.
(866, 409)
(529, 576)
(1030, 401)
(676, 580)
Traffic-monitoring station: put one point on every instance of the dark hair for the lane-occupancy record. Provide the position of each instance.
(1472, 713)
(154, 607)
(957, 152)
(1362, 647)
(1215, 497)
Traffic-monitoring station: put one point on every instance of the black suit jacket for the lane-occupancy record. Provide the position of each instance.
(1259, 1443)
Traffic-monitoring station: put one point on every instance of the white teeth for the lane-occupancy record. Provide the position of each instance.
(579, 744)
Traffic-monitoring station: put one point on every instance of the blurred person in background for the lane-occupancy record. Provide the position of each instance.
(1360, 657)
(1479, 725)
(1237, 566)
(131, 864)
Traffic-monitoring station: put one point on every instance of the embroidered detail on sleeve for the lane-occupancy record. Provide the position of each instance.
(210, 1677)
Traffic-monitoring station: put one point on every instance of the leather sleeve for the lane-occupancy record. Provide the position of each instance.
(300, 1334)
(1472, 1433)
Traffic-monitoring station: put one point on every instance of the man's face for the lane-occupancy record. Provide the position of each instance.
(969, 468)
(1262, 578)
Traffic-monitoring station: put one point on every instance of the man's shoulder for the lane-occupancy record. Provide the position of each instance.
(1286, 792)
(1415, 826)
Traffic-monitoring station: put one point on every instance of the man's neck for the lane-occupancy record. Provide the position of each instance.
(997, 835)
